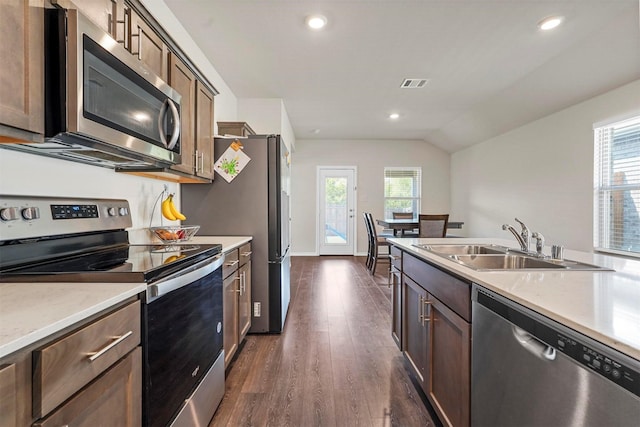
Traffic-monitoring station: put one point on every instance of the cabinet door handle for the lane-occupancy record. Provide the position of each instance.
(427, 315)
(232, 263)
(239, 279)
(108, 347)
(139, 36)
(420, 310)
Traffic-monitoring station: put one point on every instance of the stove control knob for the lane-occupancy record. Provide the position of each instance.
(9, 214)
(123, 211)
(112, 212)
(30, 213)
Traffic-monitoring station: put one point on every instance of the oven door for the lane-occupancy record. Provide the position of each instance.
(182, 322)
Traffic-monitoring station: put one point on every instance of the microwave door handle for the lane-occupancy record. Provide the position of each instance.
(176, 124)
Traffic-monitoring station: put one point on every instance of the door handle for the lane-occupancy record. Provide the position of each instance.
(533, 345)
(176, 124)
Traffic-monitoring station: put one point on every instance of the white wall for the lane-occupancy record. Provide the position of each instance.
(267, 116)
(370, 157)
(541, 173)
(33, 175)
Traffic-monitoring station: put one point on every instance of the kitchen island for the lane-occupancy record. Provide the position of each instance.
(603, 305)
(433, 313)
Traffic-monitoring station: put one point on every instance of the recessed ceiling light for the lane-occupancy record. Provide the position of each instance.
(316, 22)
(394, 116)
(550, 23)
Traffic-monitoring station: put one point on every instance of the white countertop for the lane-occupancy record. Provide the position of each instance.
(30, 312)
(604, 305)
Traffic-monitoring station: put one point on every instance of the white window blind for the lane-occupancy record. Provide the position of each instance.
(402, 190)
(617, 187)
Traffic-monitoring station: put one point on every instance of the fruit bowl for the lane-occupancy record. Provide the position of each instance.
(175, 234)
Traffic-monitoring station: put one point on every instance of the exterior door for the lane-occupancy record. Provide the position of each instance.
(336, 210)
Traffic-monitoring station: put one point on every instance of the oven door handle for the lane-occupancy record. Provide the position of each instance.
(184, 277)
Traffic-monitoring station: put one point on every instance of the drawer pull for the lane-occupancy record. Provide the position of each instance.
(232, 263)
(247, 253)
(108, 347)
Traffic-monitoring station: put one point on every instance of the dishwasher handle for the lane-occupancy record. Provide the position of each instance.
(533, 345)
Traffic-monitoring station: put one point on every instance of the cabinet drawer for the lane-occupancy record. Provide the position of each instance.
(452, 291)
(65, 366)
(231, 262)
(396, 257)
(8, 395)
(245, 253)
(114, 399)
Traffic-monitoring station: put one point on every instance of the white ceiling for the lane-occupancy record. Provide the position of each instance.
(489, 68)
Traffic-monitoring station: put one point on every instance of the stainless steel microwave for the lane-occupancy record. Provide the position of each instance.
(102, 105)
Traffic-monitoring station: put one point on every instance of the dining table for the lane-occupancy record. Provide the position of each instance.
(400, 225)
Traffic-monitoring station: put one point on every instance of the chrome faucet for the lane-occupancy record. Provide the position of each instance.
(539, 243)
(523, 238)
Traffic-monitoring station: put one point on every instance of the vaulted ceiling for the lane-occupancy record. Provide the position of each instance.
(489, 68)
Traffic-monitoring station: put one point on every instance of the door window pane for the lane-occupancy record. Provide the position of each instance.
(335, 207)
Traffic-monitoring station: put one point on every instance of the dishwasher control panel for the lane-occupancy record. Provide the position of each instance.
(594, 356)
(599, 362)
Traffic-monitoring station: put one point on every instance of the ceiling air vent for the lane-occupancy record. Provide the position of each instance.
(414, 83)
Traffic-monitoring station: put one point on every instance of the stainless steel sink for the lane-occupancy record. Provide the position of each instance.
(463, 249)
(503, 262)
(500, 258)
(576, 265)
(520, 262)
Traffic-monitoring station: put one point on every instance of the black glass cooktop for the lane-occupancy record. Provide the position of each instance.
(126, 263)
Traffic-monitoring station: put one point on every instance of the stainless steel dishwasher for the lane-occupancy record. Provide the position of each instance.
(528, 370)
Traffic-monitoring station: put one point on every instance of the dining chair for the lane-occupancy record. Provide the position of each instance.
(405, 215)
(375, 243)
(432, 225)
(369, 240)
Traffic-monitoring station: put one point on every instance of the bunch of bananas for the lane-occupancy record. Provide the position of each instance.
(169, 210)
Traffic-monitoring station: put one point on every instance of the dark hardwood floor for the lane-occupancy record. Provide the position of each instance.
(335, 364)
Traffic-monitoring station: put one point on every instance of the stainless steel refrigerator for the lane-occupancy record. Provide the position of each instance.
(254, 203)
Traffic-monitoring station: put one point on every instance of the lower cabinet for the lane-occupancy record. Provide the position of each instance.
(230, 309)
(88, 375)
(9, 395)
(436, 339)
(395, 282)
(244, 301)
(449, 355)
(237, 299)
(416, 331)
(112, 399)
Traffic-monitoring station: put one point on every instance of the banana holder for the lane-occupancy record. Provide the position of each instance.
(168, 210)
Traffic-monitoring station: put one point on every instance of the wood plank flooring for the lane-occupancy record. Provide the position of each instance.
(335, 364)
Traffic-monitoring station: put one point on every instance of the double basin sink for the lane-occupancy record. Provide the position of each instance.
(497, 258)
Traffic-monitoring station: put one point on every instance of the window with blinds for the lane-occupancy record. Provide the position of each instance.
(617, 187)
(402, 190)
